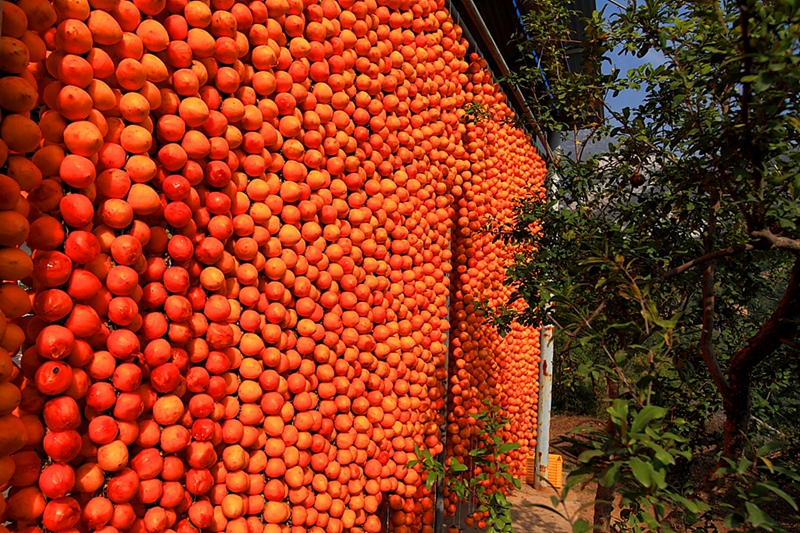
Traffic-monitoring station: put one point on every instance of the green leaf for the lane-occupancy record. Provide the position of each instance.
(791, 474)
(588, 455)
(732, 521)
(582, 526)
(743, 466)
(619, 410)
(660, 479)
(651, 314)
(609, 477)
(764, 81)
(645, 416)
(642, 471)
(508, 446)
(772, 487)
(461, 490)
(627, 327)
(757, 517)
(457, 466)
(690, 505)
(794, 121)
(770, 447)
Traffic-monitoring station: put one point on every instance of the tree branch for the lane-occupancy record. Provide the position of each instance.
(586, 323)
(735, 249)
(709, 303)
(781, 326)
(747, 67)
(776, 240)
(707, 334)
(791, 344)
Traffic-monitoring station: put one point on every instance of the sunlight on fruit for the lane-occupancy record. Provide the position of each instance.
(256, 236)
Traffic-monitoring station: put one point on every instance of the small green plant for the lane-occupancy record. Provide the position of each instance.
(636, 457)
(461, 480)
(475, 112)
(754, 490)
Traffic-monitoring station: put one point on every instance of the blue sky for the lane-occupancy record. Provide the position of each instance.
(625, 62)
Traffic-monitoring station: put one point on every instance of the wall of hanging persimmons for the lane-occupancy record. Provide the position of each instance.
(256, 235)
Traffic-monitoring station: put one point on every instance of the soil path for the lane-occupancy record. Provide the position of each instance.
(527, 517)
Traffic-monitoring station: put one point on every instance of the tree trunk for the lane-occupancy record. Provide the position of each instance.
(604, 496)
(604, 505)
(782, 325)
(737, 416)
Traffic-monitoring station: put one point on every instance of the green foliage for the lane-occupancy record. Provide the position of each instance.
(559, 97)
(475, 112)
(637, 456)
(719, 170)
(704, 172)
(640, 454)
(669, 262)
(476, 489)
(574, 392)
(754, 490)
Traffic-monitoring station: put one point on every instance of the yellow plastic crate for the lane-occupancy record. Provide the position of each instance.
(530, 470)
(555, 469)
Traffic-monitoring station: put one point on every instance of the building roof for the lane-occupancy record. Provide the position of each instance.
(491, 27)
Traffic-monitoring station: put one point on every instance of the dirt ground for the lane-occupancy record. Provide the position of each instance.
(528, 518)
(531, 519)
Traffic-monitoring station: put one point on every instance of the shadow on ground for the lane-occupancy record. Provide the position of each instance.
(528, 518)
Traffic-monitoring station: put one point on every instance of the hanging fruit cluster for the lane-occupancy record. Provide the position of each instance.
(485, 367)
(240, 218)
(20, 47)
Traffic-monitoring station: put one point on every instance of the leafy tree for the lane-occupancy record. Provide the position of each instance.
(474, 489)
(696, 196)
(671, 260)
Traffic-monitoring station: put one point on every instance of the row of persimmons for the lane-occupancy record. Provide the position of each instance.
(234, 312)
